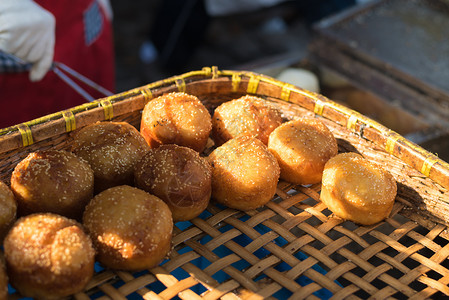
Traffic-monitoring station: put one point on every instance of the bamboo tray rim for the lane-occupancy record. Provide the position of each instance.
(429, 164)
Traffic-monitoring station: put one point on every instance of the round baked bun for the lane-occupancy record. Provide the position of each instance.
(177, 175)
(355, 189)
(8, 210)
(302, 147)
(176, 118)
(48, 256)
(112, 150)
(130, 228)
(246, 115)
(56, 181)
(244, 173)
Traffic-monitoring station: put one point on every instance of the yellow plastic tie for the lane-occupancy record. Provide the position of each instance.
(352, 121)
(391, 142)
(181, 84)
(27, 136)
(285, 93)
(236, 81)
(147, 94)
(70, 122)
(214, 72)
(207, 71)
(108, 109)
(253, 84)
(428, 164)
(319, 107)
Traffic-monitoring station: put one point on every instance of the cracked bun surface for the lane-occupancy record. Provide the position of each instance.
(244, 173)
(112, 150)
(56, 181)
(302, 147)
(176, 118)
(355, 189)
(177, 175)
(48, 256)
(248, 115)
(130, 228)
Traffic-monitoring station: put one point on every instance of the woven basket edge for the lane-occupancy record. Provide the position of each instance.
(428, 164)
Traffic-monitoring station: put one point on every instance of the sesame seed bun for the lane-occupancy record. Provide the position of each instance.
(176, 118)
(244, 173)
(112, 150)
(54, 181)
(48, 256)
(177, 175)
(130, 228)
(355, 189)
(248, 115)
(302, 147)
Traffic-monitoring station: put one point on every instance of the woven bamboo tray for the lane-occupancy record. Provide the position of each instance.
(293, 247)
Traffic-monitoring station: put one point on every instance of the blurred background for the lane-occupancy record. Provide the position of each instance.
(385, 59)
(156, 39)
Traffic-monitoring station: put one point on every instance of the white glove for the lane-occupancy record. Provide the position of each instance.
(107, 8)
(28, 32)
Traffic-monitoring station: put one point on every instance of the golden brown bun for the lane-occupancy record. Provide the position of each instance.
(177, 175)
(357, 190)
(54, 181)
(3, 279)
(244, 173)
(131, 229)
(246, 115)
(302, 147)
(112, 150)
(8, 209)
(48, 256)
(176, 118)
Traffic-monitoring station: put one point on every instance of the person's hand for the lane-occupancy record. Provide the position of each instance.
(28, 32)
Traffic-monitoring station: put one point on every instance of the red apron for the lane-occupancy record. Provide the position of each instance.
(84, 42)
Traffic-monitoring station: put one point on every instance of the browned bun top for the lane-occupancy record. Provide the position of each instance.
(177, 175)
(247, 160)
(245, 115)
(48, 256)
(47, 239)
(52, 181)
(131, 229)
(176, 118)
(112, 149)
(358, 180)
(310, 138)
(244, 173)
(302, 147)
